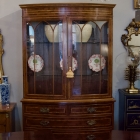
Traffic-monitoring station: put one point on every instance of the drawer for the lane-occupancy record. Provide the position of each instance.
(91, 122)
(45, 109)
(82, 136)
(133, 104)
(90, 109)
(2, 119)
(133, 120)
(67, 135)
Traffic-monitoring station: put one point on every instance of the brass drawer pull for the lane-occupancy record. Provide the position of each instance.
(44, 123)
(44, 110)
(91, 122)
(91, 110)
(90, 137)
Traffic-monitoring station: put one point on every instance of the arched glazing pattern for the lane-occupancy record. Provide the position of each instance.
(90, 57)
(45, 52)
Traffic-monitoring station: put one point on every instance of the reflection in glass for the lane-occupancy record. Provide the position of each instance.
(104, 49)
(104, 52)
(31, 34)
(77, 36)
(54, 32)
(30, 38)
(135, 40)
(100, 24)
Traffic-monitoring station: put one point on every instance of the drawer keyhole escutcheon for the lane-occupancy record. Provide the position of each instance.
(91, 109)
(91, 122)
(90, 137)
(44, 110)
(44, 122)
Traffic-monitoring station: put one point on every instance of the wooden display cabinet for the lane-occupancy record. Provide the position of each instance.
(56, 37)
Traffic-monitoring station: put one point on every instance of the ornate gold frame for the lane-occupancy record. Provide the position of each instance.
(1, 53)
(136, 4)
(131, 71)
(133, 28)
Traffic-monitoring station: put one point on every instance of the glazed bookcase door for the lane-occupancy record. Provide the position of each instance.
(90, 56)
(45, 66)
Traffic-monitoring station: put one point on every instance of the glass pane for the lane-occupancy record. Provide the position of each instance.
(44, 56)
(104, 53)
(89, 64)
(30, 49)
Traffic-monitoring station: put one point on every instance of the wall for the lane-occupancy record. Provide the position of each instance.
(11, 26)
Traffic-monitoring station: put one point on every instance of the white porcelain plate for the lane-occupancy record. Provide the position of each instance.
(35, 63)
(74, 64)
(96, 62)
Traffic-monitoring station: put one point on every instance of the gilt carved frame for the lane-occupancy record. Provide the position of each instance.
(1, 53)
(133, 28)
(131, 41)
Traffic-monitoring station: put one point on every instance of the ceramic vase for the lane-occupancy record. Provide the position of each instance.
(5, 79)
(5, 91)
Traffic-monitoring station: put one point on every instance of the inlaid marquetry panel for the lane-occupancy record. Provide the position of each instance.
(47, 122)
(45, 109)
(67, 9)
(90, 109)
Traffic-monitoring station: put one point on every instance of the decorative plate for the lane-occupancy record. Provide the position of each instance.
(35, 63)
(96, 62)
(74, 64)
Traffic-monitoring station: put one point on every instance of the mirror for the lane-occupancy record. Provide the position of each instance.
(135, 40)
(1, 53)
(132, 39)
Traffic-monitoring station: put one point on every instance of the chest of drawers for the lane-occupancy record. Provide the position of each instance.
(87, 118)
(129, 111)
(7, 123)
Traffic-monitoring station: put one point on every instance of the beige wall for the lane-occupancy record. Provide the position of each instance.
(11, 26)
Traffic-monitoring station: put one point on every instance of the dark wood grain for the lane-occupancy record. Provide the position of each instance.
(7, 108)
(7, 117)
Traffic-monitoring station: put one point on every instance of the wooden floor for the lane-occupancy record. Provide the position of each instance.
(46, 135)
